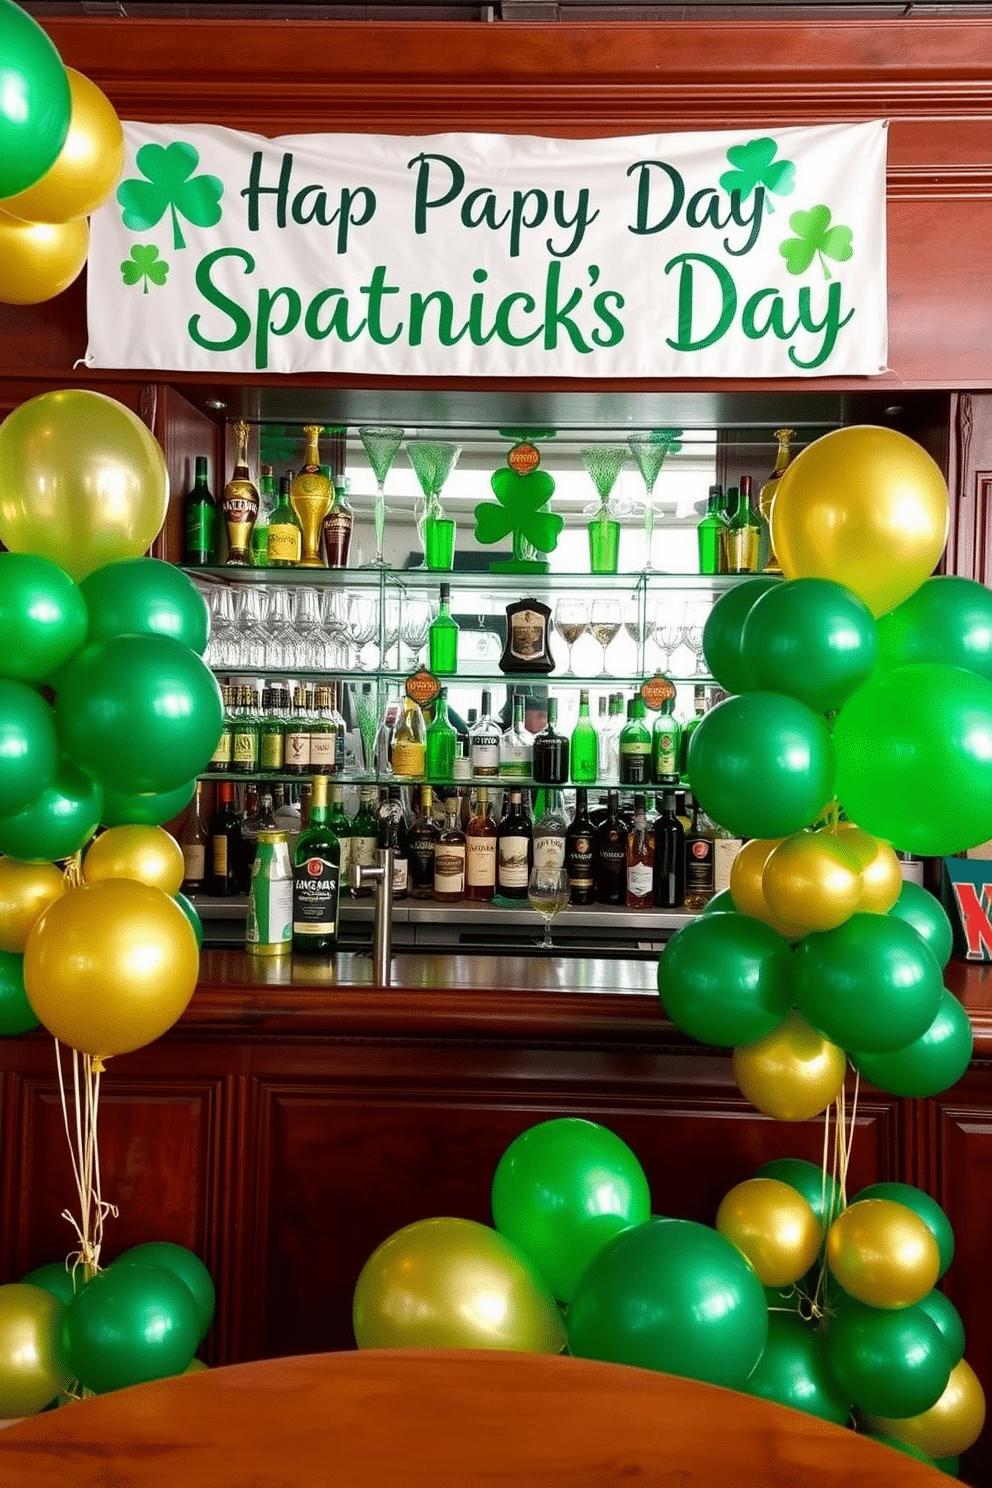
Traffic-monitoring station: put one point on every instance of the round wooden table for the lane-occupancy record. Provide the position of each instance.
(441, 1419)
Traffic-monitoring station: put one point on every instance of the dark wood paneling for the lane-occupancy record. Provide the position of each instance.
(184, 432)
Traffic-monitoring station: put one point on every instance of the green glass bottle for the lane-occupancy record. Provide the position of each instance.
(441, 742)
(316, 877)
(271, 734)
(666, 740)
(743, 537)
(244, 748)
(710, 533)
(284, 536)
(200, 521)
(259, 549)
(442, 638)
(340, 824)
(585, 744)
(635, 747)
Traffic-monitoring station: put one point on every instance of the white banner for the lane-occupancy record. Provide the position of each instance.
(726, 254)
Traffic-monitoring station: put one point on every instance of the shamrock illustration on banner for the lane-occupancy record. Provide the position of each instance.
(170, 186)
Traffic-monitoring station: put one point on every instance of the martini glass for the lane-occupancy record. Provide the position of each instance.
(602, 463)
(381, 445)
(433, 461)
(649, 451)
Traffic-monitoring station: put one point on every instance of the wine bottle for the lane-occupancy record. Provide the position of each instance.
(640, 859)
(579, 852)
(240, 502)
(225, 844)
(199, 521)
(550, 757)
(709, 533)
(271, 733)
(699, 697)
(423, 847)
(666, 738)
(365, 837)
(585, 744)
(516, 747)
(409, 741)
(743, 533)
(340, 824)
(514, 850)
(635, 746)
(550, 832)
(193, 839)
(611, 854)
(480, 851)
(316, 877)
(296, 744)
(442, 638)
(668, 878)
(284, 531)
(393, 833)
(244, 745)
(449, 857)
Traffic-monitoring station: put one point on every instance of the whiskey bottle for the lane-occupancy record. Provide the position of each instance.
(284, 531)
(316, 878)
(193, 839)
(200, 521)
(579, 853)
(480, 851)
(240, 502)
(640, 860)
(484, 737)
(767, 495)
(550, 756)
(449, 857)
(338, 524)
(423, 847)
(225, 844)
(743, 533)
(668, 882)
(442, 638)
(699, 860)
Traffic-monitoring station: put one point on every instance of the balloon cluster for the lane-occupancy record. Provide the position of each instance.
(61, 152)
(141, 1319)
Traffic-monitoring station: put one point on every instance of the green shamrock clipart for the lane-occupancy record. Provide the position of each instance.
(755, 165)
(170, 186)
(144, 264)
(815, 238)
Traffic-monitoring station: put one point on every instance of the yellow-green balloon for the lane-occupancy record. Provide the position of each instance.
(32, 1365)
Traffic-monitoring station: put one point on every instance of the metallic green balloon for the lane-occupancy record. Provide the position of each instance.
(144, 596)
(922, 1205)
(671, 1295)
(16, 1014)
(182, 1263)
(931, 1063)
(891, 1362)
(941, 1310)
(723, 634)
(29, 750)
(812, 640)
(35, 101)
(56, 1277)
(60, 821)
(130, 1324)
(150, 811)
(947, 620)
(561, 1191)
(42, 616)
(928, 918)
(793, 1370)
(725, 979)
(190, 911)
(720, 904)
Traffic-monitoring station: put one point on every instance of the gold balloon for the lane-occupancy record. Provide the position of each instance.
(26, 891)
(32, 1365)
(453, 1283)
(110, 966)
(82, 481)
(87, 167)
(881, 875)
(864, 507)
(38, 260)
(773, 1226)
(883, 1254)
(148, 854)
(812, 879)
(793, 1073)
(745, 885)
(948, 1428)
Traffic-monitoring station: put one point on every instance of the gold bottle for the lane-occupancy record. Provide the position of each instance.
(240, 502)
(767, 493)
(310, 496)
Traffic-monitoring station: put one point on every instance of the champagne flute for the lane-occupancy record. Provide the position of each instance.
(548, 894)
(649, 451)
(381, 444)
(604, 623)
(571, 620)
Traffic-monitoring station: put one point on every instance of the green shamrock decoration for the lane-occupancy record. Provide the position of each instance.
(144, 264)
(756, 166)
(518, 508)
(815, 238)
(278, 444)
(171, 186)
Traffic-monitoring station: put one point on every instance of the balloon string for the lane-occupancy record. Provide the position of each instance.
(73, 871)
(849, 1144)
(84, 1155)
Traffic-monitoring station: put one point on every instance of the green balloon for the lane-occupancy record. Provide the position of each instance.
(924, 785)
(723, 634)
(941, 1310)
(871, 984)
(16, 1015)
(930, 1064)
(725, 979)
(720, 904)
(35, 102)
(890, 1362)
(130, 1324)
(947, 620)
(928, 918)
(922, 1205)
(190, 911)
(671, 1295)
(793, 1370)
(949, 1465)
(182, 1263)
(42, 617)
(151, 811)
(898, 1446)
(811, 639)
(561, 1191)
(59, 822)
(144, 596)
(142, 713)
(29, 748)
(762, 765)
(56, 1277)
(821, 1192)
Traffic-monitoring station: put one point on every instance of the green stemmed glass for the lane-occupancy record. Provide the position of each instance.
(602, 463)
(649, 451)
(381, 445)
(433, 461)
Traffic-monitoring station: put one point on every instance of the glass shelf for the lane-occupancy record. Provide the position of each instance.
(529, 680)
(491, 782)
(516, 584)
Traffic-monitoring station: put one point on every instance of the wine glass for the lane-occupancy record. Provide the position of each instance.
(602, 463)
(548, 893)
(604, 623)
(363, 623)
(649, 451)
(381, 444)
(414, 626)
(433, 461)
(571, 620)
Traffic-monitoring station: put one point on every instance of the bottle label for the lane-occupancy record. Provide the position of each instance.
(449, 868)
(422, 852)
(363, 851)
(316, 889)
(549, 852)
(284, 543)
(699, 865)
(408, 758)
(634, 763)
(218, 856)
(298, 748)
(725, 851)
(480, 866)
(516, 760)
(666, 754)
(337, 537)
(323, 748)
(578, 860)
(526, 635)
(195, 860)
(513, 863)
(270, 908)
(401, 875)
(272, 748)
(245, 748)
(222, 754)
(485, 754)
(344, 842)
(639, 880)
(201, 530)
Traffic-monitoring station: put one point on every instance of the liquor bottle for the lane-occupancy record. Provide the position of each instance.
(611, 854)
(338, 525)
(514, 850)
(527, 649)
(193, 839)
(296, 747)
(516, 747)
(668, 880)
(323, 736)
(483, 740)
(699, 699)
(585, 744)
(244, 745)
(382, 744)
(259, 817)
(449, 857)
(340, 824)
(550, 832)
(579, 852)
(608, 748)
(550, 753)
(640, 859)
(666, 739)
(635, 746)
(768, 561)
(442, 638)
(259, 551)
(709, 533)
(311, 495)
(480, 851)
(284, 531)
(316, 877)
(393, 833)
(409, 750)
(725, 849)
(743, 533)
(365, 836)
(699, 860)
(220, 760)
(225, 843)
(199, 521)
(271, 735)
(240, 502)
(338, 724)
(440, 742)
(423, 847)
